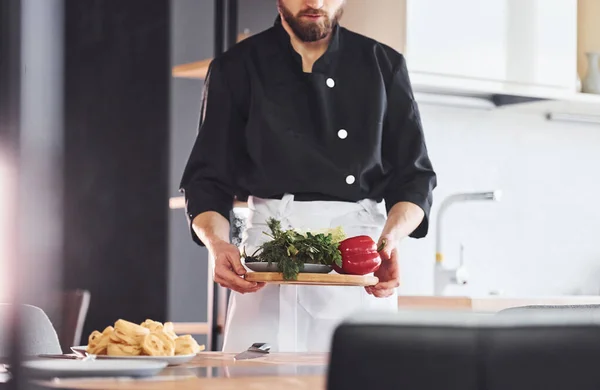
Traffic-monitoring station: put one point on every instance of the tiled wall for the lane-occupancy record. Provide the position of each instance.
(542, 238)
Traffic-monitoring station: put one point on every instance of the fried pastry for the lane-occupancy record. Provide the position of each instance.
(169, 329)
(150, 338)
(158, 344)
(116, 349)
(128, 333)
(153, 326)
(186, 345)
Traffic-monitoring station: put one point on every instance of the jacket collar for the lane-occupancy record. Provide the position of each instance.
(326, 62)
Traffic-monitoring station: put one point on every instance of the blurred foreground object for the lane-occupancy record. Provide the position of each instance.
(468, 351)
(31, 128)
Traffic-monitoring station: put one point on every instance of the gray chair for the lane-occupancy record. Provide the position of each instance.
(546, 349)
(37, 333)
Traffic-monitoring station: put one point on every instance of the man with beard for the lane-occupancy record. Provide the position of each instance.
(316, 126)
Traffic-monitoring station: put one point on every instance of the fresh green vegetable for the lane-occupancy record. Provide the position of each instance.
(290, 250)
(337, 233)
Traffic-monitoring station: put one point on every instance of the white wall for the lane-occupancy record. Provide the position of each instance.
(543, 238)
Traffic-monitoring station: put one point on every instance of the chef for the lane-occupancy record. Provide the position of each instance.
(316, 126)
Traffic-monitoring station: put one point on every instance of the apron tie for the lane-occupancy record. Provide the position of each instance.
(372, 212)
(284, 210)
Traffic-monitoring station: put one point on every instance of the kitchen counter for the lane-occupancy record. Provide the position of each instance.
(218, 371)
(490, 304)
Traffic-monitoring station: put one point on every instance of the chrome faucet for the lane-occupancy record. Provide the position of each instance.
(442, 277)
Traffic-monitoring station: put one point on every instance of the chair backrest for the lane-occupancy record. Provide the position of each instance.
(388, 352)
(75, 305)
(468, 351)
(67, 310)
(37, 333)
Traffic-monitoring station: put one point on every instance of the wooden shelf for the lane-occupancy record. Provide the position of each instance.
(199, 69)
(177, 202)
(193, 70)
(194, 328)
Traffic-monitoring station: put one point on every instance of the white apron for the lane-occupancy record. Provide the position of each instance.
(301, 318)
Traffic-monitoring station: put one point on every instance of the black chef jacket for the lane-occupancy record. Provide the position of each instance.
(347, 131)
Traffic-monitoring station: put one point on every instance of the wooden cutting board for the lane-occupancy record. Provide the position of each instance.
(314, 279)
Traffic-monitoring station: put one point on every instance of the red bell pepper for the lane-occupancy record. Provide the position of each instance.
(360, 256)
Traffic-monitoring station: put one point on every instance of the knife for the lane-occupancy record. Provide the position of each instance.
(65, 356)
(57, 356)
(256, 350)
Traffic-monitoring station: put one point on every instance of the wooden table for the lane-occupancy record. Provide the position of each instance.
(214, 370)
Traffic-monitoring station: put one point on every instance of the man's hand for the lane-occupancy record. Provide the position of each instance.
(403, 218)
(389, 271)
(213, 230)
(228, 268)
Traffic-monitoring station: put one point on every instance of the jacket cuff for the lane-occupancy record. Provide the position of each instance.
(424, 201)
(198, 203)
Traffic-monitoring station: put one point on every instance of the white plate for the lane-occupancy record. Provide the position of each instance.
(63, 368)
(170, 360)
(308, 268)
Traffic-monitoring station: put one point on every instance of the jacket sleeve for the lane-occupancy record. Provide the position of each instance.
(413, 177)
(208, 181)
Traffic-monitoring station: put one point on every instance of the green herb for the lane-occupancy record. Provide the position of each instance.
(290, 250)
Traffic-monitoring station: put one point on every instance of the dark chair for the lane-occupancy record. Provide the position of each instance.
(545, 347)
(67, 311)
(548, 349)
(74, 312)
(405, 351)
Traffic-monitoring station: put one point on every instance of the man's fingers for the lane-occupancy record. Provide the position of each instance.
(386, 287)
(391, 255)
(383, 293)
(232, 280)
(236, 282)
(236, 264)
(238, 289)
(228, 269)
(385, 255)
(258, 287)
(239, 269)
(241, 290)
(388, 248)
(232, 260)
(391, 283)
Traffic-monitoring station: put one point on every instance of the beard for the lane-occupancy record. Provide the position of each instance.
(310, 31)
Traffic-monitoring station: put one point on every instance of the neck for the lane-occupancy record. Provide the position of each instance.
(309, 51)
